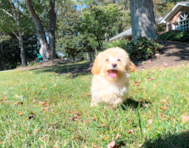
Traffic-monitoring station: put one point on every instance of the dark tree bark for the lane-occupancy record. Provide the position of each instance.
(44, 49)
(142, 19)
(1, 57)
(52, 27)
(20, 32)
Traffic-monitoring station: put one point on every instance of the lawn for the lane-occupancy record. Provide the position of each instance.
(42, 108)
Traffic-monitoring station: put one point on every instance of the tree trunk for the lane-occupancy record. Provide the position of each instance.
(44, 49)
(1, 57)
(73, 57)
(142, 19)
(20, 33)
(52, 27)
(124, 5)
(22, 51)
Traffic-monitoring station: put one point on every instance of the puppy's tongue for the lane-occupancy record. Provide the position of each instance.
(113, 73)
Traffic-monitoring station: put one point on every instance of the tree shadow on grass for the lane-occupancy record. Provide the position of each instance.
(169, 141)
(73, 69)
(130, 102)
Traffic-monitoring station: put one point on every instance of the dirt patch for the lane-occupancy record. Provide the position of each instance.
(172, 54)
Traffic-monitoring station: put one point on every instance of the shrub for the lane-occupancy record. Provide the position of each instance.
(122, 43)
(33, 63)
(173, 35)
(142, 48)
(185, 37)
(176, 35)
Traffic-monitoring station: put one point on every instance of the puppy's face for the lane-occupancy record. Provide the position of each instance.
(112, 63)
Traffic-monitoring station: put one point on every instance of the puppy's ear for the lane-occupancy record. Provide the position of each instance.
(130, 66)
(96, 66)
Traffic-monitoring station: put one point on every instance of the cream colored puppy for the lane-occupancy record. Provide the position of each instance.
(110, 81)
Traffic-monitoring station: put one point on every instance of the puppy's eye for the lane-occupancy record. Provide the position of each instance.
(119, 60)
(107, 59)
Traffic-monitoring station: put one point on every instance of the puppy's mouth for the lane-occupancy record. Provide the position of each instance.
(112, 73)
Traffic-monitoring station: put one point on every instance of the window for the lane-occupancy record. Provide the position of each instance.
(183, 21)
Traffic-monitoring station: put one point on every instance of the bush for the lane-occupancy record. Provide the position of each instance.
(185, 37)
(176, 35)
(173, 35)
(143, 48)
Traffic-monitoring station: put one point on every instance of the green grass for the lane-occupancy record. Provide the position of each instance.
(61, 116)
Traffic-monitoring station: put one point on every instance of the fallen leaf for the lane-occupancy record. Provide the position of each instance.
(104, 125)
(20, 113)
(162, 108)
(149, 61)
(4, 98)
(18, 103)
(157, 56)
(70, 118)
(184, 117)
(130, 131)
(34, 101)
(113, 143)
(165, 64)
(44, 103)
(31, 116)
(44, 88)
(35, 93)
(69, 96)
(36, 131)
(165, 103)
(46, 109)
(136, 83)
(67, 82)
(76, 116)
(89, 121)
(74, 112)
(163, 115)
(150, 78)
(150, 122)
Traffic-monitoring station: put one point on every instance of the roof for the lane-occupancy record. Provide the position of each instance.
(173, 11)
(127, 32)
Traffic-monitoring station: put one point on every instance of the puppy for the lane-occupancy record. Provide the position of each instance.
(111, 77)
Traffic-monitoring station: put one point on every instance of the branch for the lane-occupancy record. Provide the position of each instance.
(7, 13)
(15, 34)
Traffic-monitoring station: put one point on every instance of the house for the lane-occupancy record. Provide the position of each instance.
(127, 34)
(176, 19)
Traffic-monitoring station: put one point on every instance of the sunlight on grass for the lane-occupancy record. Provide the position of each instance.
(40, 108)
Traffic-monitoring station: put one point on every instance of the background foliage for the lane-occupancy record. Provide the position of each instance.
(141, 49)
(82, 25)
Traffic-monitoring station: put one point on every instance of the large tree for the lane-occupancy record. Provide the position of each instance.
(47, 51)
(12, 16)
(70, 39)
(142, 19)
(100, 21)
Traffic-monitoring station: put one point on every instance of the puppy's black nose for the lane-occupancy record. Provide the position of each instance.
(114, 65)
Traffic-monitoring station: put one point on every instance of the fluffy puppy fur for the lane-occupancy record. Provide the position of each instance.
(111, 77)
